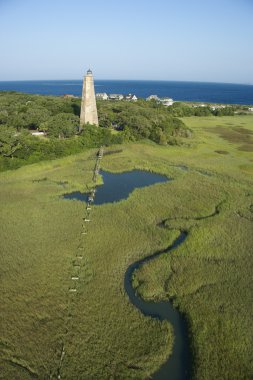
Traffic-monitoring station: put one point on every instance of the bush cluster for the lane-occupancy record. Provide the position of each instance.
(58, 118)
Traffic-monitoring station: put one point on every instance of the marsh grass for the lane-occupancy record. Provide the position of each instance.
(105, 336)
(236, 135)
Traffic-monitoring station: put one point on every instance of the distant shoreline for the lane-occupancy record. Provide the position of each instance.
(206, 92)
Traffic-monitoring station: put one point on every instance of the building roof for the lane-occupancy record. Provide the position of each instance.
(115, 95)
(166, 99)
(150, 97)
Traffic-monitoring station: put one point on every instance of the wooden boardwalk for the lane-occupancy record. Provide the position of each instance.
(76, 264)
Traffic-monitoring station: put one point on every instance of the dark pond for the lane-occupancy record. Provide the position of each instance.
(118, 186)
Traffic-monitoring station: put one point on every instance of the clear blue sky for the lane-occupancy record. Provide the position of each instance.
(193, 40)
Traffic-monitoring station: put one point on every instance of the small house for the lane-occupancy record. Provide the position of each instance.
(167, 101)
(38, 133)
(116, 96)
(102, 96)
(153, 97)
(69, 96)
(131, 98)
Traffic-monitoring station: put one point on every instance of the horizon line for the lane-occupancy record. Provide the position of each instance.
(128, 80)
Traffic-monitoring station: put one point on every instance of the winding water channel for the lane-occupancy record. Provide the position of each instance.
(115, 188)
(177, 366)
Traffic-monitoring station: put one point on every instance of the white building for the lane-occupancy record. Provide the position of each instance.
(131, 98)
(102, 96)
(153, 97)
(167, 101)
(217, 107)
(116, 97)
(69, 96)
(38, 133)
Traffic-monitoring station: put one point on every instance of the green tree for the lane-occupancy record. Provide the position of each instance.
(62, 125)
(9, 141)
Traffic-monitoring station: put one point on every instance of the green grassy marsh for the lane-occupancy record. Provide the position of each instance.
(208, 277)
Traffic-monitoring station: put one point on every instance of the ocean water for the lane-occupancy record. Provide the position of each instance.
(188, 91)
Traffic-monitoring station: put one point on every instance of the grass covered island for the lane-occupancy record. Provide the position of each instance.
(208, 277)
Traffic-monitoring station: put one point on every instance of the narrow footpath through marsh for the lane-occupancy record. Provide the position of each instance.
(77, 263)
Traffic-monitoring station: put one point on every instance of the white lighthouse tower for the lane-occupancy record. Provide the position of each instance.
(88, 105)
